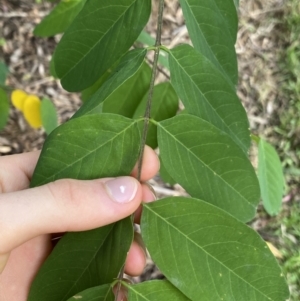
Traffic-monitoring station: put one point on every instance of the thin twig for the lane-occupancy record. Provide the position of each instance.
(147, 115)
(161, 70)
(150, 95)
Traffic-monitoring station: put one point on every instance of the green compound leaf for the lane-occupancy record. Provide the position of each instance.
(60, 18)
(270, 176)
(99, 293)
(208, 254)
(4, 108)
(48, 115)
(132, 73)
(209, 165)
(205, 93)
(164, 106)
(101, 33)
(89, 147)
(83, 260)
(212, 26)
(155, 290)
(127, 97)
(90, 91)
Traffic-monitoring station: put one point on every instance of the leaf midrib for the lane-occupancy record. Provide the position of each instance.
(206, 42)
(99, 41)
(200, 247)
(89, 263)
(194, 155)
(102, 103)
(88, 153)
(241, 144)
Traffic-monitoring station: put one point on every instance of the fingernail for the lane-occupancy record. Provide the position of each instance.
(122, 190)
(3, 261)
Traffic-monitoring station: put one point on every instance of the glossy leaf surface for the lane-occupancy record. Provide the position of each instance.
(4, 108)
(209, 165)
(205, 93)
(101, 33)
(270, 176)
(208, 254)
(99, 293)
(212, 26)
(132, 69)
(155, 290)
(60, 18)
(164, 106)
(48, 115)
(83, 260)
(89, 147)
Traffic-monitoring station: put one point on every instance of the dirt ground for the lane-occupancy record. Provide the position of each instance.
(259, 47)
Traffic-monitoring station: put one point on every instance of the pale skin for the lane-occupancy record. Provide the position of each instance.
(28, 217)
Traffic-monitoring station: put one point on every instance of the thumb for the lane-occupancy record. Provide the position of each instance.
(65, 205)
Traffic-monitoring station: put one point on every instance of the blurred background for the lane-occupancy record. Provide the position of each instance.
(268, 49)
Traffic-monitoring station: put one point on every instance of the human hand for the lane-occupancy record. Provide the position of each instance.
(29, 216)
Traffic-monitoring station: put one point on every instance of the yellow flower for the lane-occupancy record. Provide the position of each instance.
(32, 111)
(29, 105)
(18, 99)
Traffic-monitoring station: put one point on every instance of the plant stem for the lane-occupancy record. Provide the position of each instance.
(150, 95)
(147, 114)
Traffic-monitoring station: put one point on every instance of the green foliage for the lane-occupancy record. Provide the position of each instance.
(164, 106)
(4, 103)
(4, 108)
(155, 290)
(289, 115)
(99, 293)
(60, 18)
(287, 229)
(77, 263)
(207, 94)
(230, 256)
(146, 39)
(202, 246)
(3, 73)
(270, 177)
(165, 176)
(102, 30)
(48, 115)
(209, 165)
(77, 148)
(212, 25)
(124, 77)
